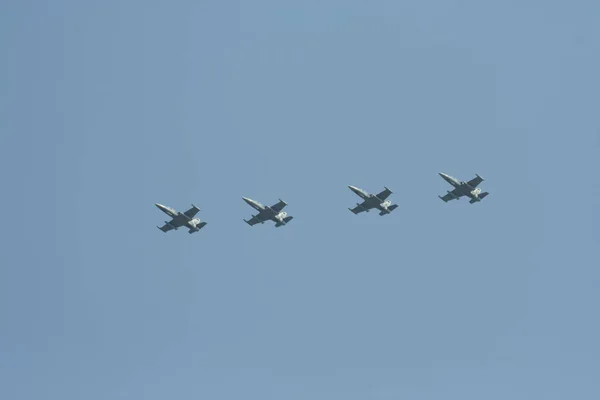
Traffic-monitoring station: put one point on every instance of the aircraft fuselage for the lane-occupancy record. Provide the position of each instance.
(167, 210)
(254, 204)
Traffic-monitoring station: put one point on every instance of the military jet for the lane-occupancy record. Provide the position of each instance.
(371, 201)
(462, 188)
(266, 213)
(179, 219)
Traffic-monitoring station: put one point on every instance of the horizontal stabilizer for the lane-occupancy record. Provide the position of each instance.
(393, 207)
(198, 227)
(479, 198)
(285, 221)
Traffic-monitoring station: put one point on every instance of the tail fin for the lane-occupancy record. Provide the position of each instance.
(483, 195)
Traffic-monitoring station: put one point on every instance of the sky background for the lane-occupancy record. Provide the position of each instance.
(109, 107)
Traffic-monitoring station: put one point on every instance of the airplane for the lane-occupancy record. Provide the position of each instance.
(180, 219)
(371, 201)
(266, 213)
(462, 188)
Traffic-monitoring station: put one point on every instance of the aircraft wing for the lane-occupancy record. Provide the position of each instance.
(450, 196)
(279, 206)
(165, 228)
(192, 211)
(475, 181)
(385, 194)
(253, 221)
(358, 209)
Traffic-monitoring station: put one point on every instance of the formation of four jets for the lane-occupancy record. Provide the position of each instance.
(276, 214)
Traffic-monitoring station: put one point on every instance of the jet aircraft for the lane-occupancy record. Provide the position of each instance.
(371, 201)
(179, 219)
(462, 188)
(266, 213)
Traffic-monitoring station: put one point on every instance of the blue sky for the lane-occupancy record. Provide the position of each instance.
(109, 108)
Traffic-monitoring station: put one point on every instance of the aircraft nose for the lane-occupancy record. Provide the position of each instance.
(247, 200)
(355, 190)
(161, 207)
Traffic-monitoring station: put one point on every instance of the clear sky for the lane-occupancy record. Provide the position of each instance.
(109, 107)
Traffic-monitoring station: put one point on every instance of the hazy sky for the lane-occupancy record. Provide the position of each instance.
(109, 107)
